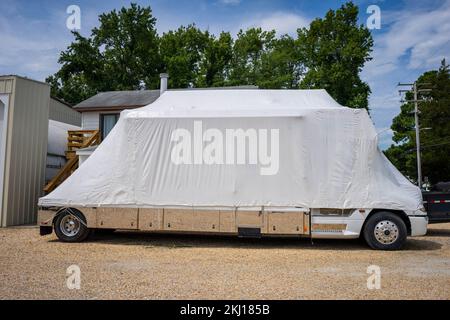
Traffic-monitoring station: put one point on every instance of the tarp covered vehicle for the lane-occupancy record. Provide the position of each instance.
(244, 162)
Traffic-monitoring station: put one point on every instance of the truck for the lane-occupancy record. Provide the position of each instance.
(437, 205)
(240, 162)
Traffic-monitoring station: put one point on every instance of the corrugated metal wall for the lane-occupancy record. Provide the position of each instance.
(26, 151)
(6, 88)
(63, 113)
(6, 85)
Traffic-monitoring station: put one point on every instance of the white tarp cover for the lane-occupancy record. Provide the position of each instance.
(328, 156)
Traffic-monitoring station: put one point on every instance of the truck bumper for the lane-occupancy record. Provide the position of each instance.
(418, 226)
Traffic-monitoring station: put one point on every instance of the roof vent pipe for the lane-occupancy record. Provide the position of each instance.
(164, 77)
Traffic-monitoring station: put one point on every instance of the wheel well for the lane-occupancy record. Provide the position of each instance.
(399, 213)
(62, 210)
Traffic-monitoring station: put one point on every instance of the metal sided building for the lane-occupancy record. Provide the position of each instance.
(62, 112)
(24, 115)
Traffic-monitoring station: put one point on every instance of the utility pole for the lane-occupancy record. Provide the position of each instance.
(416, 120)
(415, 91)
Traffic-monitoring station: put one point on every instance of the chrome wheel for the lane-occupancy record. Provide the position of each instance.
(386, 232)
(70, 226)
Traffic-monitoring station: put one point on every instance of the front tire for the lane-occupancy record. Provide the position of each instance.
(70, 226)
(385, 231)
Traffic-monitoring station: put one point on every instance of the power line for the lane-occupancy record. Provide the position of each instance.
(435, 145)
(416, 90)
(430, 146)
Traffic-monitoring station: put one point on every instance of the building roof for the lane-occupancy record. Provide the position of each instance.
(118, 100)
(61, 101)
(23, 78)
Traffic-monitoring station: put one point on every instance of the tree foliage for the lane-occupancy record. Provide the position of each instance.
(129, 45)
(434, 121)
(334, 50)
(121, 54)
(248, 50)
(126, 53)
(214, 65)
(181, 53)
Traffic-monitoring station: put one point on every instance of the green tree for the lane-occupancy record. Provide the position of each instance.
(181, 52)
(435, 130)
(81, 74)
(334, 50)
(121, 54)
(126, 53)
(215, 64)
(281, 67)
(248, 49)
(130, 47)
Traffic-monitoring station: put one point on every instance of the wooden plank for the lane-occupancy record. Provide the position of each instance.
(93, 140)
(74, 145)
(70, 155)
(91, 216)
(81, 132)
(76, 138)
(227, 221)
(206, 221)
(151, 219)
(117, 218)
(285, 222)
(249, 219)
(179, 219)
(61, 175)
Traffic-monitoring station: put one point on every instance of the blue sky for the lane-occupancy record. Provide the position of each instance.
(414, 35)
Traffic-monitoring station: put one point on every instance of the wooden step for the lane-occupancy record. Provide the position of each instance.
(62, 175)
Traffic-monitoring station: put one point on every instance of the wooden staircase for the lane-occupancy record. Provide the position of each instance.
(81, 139)
(78, 139)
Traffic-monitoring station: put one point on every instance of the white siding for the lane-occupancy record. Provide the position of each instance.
(90, 120)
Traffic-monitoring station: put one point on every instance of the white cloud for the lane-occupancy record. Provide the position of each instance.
(386, 100)
(31, 47)
(231, 2)
(282, 22)
(384, 137)
(419, 35)
(26, 52)
(411, 40)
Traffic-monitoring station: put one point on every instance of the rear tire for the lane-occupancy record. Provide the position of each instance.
(385, 231)
(70, 226)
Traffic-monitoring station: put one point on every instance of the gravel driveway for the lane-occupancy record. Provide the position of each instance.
(148, 266)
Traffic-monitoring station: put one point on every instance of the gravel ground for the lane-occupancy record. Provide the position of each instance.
(149, 266)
